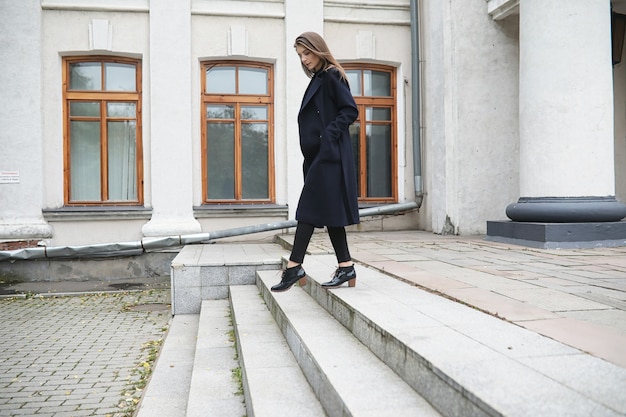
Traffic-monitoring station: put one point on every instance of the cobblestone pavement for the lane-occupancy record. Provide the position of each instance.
(81, 355)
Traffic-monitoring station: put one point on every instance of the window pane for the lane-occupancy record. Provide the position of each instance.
(354, 79)
(355, 132)
(122, 157)
(220, 80)
(378, 161)
(215, 111)
(252, 81)
(377, 83)
(121, 110)
(85, 161)
(254, 151)
(85, 76)
(221, 160)
(119, 77)
(85, 108)
(254, 112)
(378, 113)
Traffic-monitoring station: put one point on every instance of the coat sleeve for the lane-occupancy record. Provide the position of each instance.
(342, 111)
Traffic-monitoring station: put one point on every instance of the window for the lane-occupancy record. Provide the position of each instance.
(373, 133)
(102, 135)
(237, 132)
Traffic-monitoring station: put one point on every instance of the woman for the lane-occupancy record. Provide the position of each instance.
(329, 195)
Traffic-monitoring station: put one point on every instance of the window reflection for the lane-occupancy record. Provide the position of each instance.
(354, 79)
(117, 109)
(378, 113)
(221, 160)
(376, 83)
(252, 81)
(254, 112)
(254, 143)
(220, 80)
(119, 77)
(378, 160)
(85, 109)
(217, 111)
(85, 76)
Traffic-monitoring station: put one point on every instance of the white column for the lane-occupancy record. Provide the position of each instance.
(566, 108)
(566, 98)
(170, 120)
(21, 154)
(298, 19)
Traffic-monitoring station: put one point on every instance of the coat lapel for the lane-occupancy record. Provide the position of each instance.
(314, 85)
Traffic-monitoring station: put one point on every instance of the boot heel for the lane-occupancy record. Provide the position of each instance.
(302, 282)
(352, 282)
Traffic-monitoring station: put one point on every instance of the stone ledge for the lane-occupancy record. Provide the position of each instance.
(204, 272)
(499, 9)
(558, 235)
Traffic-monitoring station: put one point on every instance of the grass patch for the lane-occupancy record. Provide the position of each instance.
(140, 376)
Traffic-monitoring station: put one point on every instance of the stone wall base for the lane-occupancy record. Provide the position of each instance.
(558, 235)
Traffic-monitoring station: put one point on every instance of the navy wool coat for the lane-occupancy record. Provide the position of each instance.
(329, 195)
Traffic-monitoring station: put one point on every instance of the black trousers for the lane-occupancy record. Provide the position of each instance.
(301, 241)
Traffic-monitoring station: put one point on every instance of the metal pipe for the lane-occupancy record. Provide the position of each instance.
(151, 243)
(415, 101)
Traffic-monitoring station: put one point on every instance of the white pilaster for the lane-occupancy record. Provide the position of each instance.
(170, 120)
(21, 152)
(298, 19)
(566, 102)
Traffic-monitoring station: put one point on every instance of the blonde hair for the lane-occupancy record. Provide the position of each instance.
(317, 45)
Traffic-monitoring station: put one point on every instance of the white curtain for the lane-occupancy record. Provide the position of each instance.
(122, 161)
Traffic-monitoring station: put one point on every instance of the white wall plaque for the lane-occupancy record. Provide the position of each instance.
(9, 177)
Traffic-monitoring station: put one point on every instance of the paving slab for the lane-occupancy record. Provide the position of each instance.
(77, 355)
(484, 357)
(483, 274)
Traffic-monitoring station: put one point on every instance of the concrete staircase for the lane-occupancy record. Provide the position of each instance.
(384, 348)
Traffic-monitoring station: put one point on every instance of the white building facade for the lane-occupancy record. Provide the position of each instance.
(125, 119)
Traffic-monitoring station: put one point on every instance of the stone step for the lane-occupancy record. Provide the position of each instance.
(347, 378)
(465, 362)
(168, 389)
(273, 383)
(203, 272)
(462, 361)
(215, 387)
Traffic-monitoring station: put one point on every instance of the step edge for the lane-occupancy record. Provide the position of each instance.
(322, 296)
(276, 308)
(314, 406)
(197, 401)
(328, 403)
(152, 403)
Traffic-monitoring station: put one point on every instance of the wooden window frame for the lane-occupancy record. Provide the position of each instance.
(369, 101)
(103, 97)
(238, 100)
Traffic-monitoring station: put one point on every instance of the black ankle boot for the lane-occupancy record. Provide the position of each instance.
(290, 276)
(342, 274)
